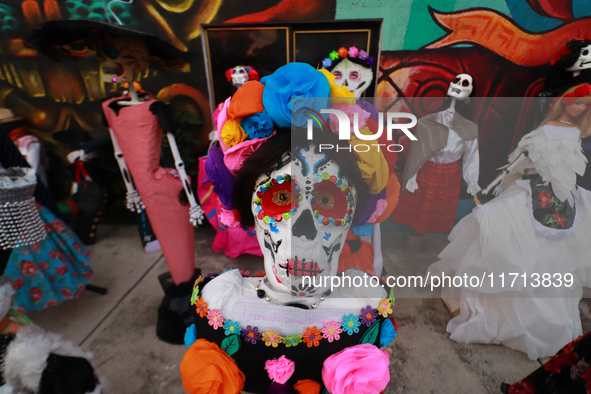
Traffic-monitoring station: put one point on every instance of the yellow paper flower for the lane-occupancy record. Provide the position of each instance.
(384, 307)
(338, 94)
(372, 164)
(272, 338)
(232, 133)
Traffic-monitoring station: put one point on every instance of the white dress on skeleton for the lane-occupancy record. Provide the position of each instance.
(501, 237)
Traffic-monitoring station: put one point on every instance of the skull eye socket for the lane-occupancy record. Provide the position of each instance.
(354, 75)
(282, 197)
(465, 83)
(325, 200)
(331, 202)
(275, 199)
(585, 52)
(241, 71)
(110, 51)
(337, 74)
(456, 81)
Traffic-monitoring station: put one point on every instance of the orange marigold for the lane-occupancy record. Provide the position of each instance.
(201, 307)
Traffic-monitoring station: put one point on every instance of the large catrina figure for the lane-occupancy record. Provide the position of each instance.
(531, 242)
(288, 330)
(136, 126)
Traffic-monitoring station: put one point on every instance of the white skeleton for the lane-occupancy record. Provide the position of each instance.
(583, 62)
(460, 88)
(354, 76)
(301, 245)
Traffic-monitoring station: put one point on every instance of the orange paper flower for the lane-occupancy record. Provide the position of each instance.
(208, 369)
(307, 386)
(201, 307)
(343, 52)
(247, 100)
(312, 336)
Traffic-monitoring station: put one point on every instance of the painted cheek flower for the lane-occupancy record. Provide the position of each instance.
(312, 336)
(201, 307)
(331, 331)
(350, 324)
(368, 316)
(292, 340)
(385, 307)
(232, 327)
(251, 334)
(215, 319)
(272, 338)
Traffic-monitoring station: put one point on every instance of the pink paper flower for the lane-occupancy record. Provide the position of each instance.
(380, 208)
(357, 369)
(349, 110)
(227, 217)
(222, 117)
(215, 319)
(353, 52)
(331, 330)
(280, 370)
(236, 155)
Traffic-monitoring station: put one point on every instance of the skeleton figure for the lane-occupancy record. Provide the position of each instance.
(583, 62)
(461, 87)
(354, 76)
(239, 75)
(302, 212)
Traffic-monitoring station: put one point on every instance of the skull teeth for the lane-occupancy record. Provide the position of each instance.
(299, 268)
(456, 90)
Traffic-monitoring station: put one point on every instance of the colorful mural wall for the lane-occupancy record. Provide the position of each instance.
(505, 44)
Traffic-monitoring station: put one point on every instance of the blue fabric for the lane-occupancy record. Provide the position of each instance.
(363, 230)
(295, 80)
(190, 335)
(51, 271)
(388, 333)
(257, 126)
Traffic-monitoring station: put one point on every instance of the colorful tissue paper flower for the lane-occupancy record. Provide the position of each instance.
(388, 333)
(350, 111)
(357, 369)
(294, 80)
(257, 126)
(370, 60)
(222, 114)
(280, 370)
(232, 134)
(251, 334)
(292, 340)
(381, 206)
(190, 335)
(232, 327)
(368, 316)
(326, 63)
(272, 338)
(227, 217)
(363, 230)
(385, 307)
(353, 51)
(362, 55)
(216, 115)
(201, 307)
(372, 163)
(220, 177)
(338, 94)
(343, 52)
(369, 107)
(312, 336)
(331, 331)
(247, 100)
(215, 319)
(307, 386)
(333, 55)
(350, 324)
(206, 368)
(236, 155)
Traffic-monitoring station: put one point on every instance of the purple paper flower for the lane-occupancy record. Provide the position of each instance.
(368, 315)
(362, 55)
(326, 63)
(251, 334)
(370, 60)
(220, 177)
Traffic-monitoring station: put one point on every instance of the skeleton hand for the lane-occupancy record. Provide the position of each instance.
(134, 201)
(412, 185)
(196, 215)
(76, 155)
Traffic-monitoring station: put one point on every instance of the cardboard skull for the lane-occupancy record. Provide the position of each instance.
(302, 212)
(461, 87)
(239, 76)
(352, 75)
(122, 57)
(584, 60)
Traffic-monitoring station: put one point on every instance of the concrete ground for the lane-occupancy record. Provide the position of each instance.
(119, 327)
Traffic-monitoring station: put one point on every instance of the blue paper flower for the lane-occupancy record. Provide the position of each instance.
(190, 335)
(326, 63)
(388, 333)
(350, 324)
(295, 80)
(363, 230)
(259, 125)
(232, 327)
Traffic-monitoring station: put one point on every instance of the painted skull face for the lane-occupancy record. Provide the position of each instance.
(352, 75)
(239, 76)
(121, 58)
(584, 60)
(461, 87)
(302, 214)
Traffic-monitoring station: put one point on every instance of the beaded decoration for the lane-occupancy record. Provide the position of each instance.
(274, 201)
(332, 200)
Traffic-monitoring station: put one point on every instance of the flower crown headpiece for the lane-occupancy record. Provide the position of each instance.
(571, 98)
(352, 53)
(259, 109)
(565, 50)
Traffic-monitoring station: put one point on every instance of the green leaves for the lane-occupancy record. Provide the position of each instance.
(372, 334)
(231, 344)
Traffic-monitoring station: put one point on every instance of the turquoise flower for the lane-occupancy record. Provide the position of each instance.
(232, 327)
(388, 333)
(350, 324)
(257, 126)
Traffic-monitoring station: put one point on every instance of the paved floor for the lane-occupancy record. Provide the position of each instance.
(120, 327)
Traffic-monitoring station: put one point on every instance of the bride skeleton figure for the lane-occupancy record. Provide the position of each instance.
(538, 229)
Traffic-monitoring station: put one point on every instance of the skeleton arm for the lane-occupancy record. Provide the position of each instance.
(134, 201)
(506, 171)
